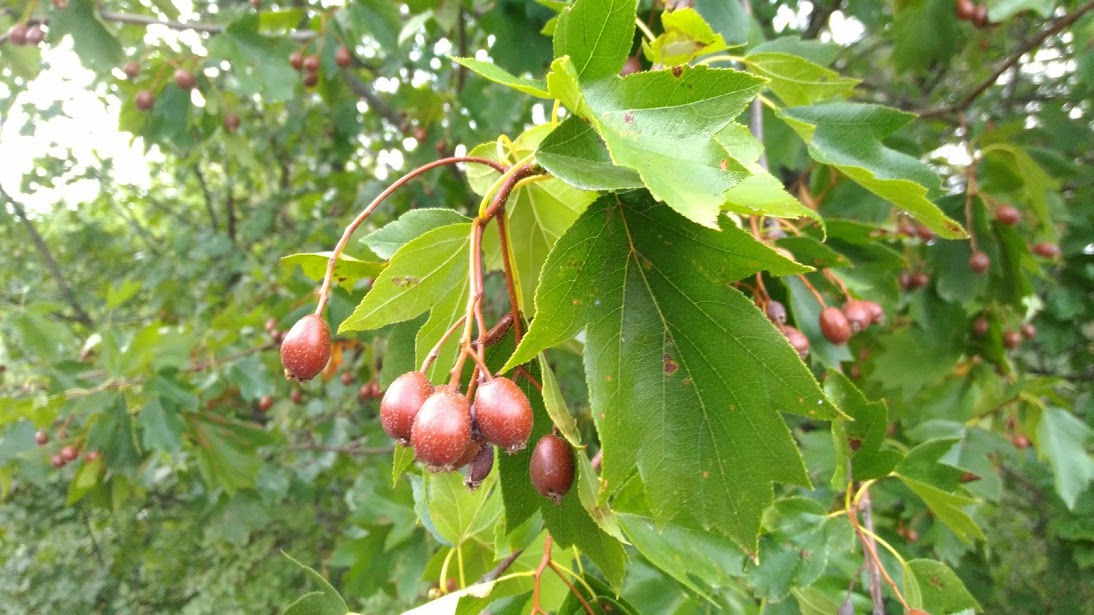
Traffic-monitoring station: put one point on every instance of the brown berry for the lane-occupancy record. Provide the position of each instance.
(92, 456)
(797, 340)
(857, 315)
(503, 414)
(231, 122)
(979, 262)
(776, 312)
(256, 4)
(35, 36)
(296, 60)
(17, 34)
(296, 396)
(980, 17)
(877, 313)
(474, 447)
(441, 430)
(552, 467)
(347, 378)
(480, 467)
(1008, 214)
(343, 57)
(834, 325)
(305, 349)
(401, 403)
(1020, 441)
(965, 9)
(185, 79)
(1028, 330)
(277, 337)
(310, 80)
(132, 69)
(980, 326)
(631, 66)
(924, 233)
(69, 453)
(855, 372)
(1012, 339)
(265, 403)
(41, 438)
(420, 134)
(1046, 249)
(57, 461)
(905, 228)
(311, 63)
(144, 100)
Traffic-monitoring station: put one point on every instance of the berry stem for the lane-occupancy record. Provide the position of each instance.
(432, 356)
(971, 188)
(324, 290)
(543, 563)
(510, 280)
(813, 290)
(838, 282)
(558, 571)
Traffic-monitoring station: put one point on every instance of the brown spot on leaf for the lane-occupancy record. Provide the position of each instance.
(706, 474)
(969, 477)
(628, 118)
(405, 280)
(723, 165)
(677, 71)
(670, 364)
(608, 378)
(577, 301)
(854, 443)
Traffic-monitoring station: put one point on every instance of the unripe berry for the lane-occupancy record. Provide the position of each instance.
(69, 453)
(979, 262)
(144, 100)
(342, 57)
(18, 34)
(877, 313)
(1028, 330)
(479, 467)
(296, 60)
(442, 430)
(305, 349)
(980, 326)
(1008, 214)
(834, 325)
(631, 66)
(311, 63)
(503, 414)
(401, 403)
(132, 69)
(1020, 441)
(185, 79)
(797, 340)
(776, 312)
(420, 134)
(857, 315)
(1012, 339)
(57, 461)
(552, 467)
(1046, 249)
(265, 403)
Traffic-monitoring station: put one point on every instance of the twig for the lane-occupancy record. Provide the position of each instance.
(432, 356)
(543, 563)
(146, 20)
(819, 17)
(573, 590)
(502, 566)
(510, 282)
(91, 533)
(873, 568)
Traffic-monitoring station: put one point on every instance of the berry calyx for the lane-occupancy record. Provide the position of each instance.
(1012, 339)
(231, 124)
(631, 66)
(965, 9)
(857, 314)
(69, 453)
(1028, 330)
(265, 403)
(797, 340)
(296, 60)
(17, 34)
(776, 312)
(979, 262)
(834, 325)
(400, 405)
(342, 57)
(480, 467)
(132, 69)
(41, 438)
(185, 79)
(980, 326)
(305, 349)
(552, 467)
(144, 100)
(441, 430)
(1008, 214)
(503, 414)
(1046, 249)
(311, 63)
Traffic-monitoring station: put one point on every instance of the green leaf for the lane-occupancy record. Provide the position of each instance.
(419, 276)
(330, 603)
(812, 601)
(161, 428)
(666, 337)
(729, 19)
(925, 35)
(556, 405)
(459, 513)
(1036, 183)
(87, 477)
(499, 75)
(813, 50)
(574, 153)
(1002, 10)
(226, 450)
(684, 37)
(387, 240)
(596, 35)
(932, 586)
(113, 434)
(258, 62)
(347, 269)
(936, 484)
(93, 43)
(849, 137)
(794, 552)
(860, 442)
(441, 318)
(404, 458)
(1065, 441)
(797, 81)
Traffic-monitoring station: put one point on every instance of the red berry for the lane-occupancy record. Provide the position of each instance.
(347, 378)
(420, 134)
(797, 340)
(144, 100)
(1046, 249)
(776, 312)
(92, 456)
(503, 414)
(18, 34)
(265, 403)
(980, 18)
(296, 396)
(980, 326)
(552, 467)
(965, 9)
(132, 69)
(479, 467)
(296, 60)
(877, 313)
(231, 122)
(57, 461)
(41, 438)
(256, 4)
(35, 36)
(905, 228)
(69, 453)
(979, 262)
(305, 349)
(474, 447)
(1028, 330)
(401, 403)
(1008, 214)
(631, 66)
(343, 57)
(311, 63)
(855, 372)
(834, 325)
(1012, 339)
(310, 79)
(1020, 441)
(185, 79)
(857, 314)
(441, 430)
(924, 233)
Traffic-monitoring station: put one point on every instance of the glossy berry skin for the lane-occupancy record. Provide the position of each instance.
(305, 349)
(797, 340)
(311, 63)
(132, 69)
(69, 453)
(231, 124)
(18, 34)
(144, 100)
(776, 312)
(503, 414)
(979, 262)
(1012, 339)
(185, 79)
(265, 403)
(442, 430)
(834, 325)
(877, 313)
(857, 315)
(479, 467)
(631, 66)
(552, 467)
(980, 326)
(1046, 249)
(965, 9)
(401, 403)
(41, 438)
(1008, 214)
(296, 60)
(1028, 330)
(342, 57)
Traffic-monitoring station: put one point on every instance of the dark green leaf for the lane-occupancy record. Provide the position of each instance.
(574, 153)
(386, 241)
(1066, 440)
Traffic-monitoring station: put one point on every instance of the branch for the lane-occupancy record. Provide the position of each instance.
(47, 256)
(819, 18)
(147, 20)
(971, 97)
(208, 197)
(873, 571)
(502, 566)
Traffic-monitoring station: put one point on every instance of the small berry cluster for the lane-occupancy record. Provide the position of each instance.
(309, 65)
(967, 10)
(837, 324)
(66, 455)
(26, 34)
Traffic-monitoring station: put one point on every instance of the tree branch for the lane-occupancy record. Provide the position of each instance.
(819, 18)
(1029, 45)
(208, 197)
(147, 20)
(47, 256)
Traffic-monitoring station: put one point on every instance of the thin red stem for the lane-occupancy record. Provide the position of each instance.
(432, 356)
(816, 295)
(503, 233)
(573, 590)
(543, 563)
